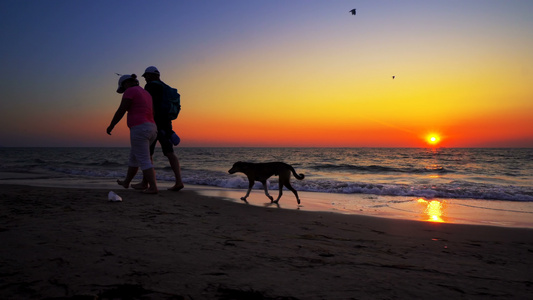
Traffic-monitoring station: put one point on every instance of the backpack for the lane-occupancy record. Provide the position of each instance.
(171, 102)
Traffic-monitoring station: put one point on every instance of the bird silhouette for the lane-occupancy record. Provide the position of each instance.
(393, 77)
(353, 11)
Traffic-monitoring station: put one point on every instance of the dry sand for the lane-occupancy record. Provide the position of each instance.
(61, 243)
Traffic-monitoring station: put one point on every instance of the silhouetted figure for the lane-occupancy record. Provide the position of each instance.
(353, 11)
(393, 77)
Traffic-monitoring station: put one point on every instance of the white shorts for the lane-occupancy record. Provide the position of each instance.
(141, 137)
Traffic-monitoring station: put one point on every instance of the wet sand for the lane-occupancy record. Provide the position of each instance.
(457, 211)
(66, 243)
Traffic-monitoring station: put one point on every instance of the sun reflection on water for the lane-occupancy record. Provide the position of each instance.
(434, 210)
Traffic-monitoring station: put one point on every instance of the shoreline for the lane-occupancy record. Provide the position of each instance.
(453, 211)
(73, 242)
(457, 211)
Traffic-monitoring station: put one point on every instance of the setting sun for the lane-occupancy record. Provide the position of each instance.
(433, 139)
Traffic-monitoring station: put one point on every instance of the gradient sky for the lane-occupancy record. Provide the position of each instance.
(273, 73)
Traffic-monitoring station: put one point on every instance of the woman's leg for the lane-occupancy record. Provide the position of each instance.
(142, 153)
(132, 171)
(142, 136)
(149, 176)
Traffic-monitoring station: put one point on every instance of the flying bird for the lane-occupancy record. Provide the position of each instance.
(353, 11)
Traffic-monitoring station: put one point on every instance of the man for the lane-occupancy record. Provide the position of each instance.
(155, 87)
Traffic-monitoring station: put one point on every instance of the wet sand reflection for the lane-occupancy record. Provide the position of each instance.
(434, 211)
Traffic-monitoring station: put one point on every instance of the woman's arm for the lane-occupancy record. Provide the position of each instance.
(121, 111)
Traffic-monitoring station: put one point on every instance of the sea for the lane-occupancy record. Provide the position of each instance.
(497, 179)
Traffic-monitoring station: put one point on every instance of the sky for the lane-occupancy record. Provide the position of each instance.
(273, 73)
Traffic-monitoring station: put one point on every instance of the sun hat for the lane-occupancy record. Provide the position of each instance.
(121, 80)
(151, 69)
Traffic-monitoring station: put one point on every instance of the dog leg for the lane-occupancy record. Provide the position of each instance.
(266, 191)
(247, 194)
(294, 191)
(280, 192)
(284, 178)
(250, 186)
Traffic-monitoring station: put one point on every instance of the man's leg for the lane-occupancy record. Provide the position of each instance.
(175, 165)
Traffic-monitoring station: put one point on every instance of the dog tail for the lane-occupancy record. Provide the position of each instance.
(298, 176)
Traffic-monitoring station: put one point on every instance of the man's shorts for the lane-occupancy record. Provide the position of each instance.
(164, 140)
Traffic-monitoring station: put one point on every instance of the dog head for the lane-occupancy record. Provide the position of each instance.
(237, 167)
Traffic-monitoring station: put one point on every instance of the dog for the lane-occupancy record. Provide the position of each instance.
(262, 171)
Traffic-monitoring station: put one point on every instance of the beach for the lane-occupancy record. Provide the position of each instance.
(404, 126)
(71, 243)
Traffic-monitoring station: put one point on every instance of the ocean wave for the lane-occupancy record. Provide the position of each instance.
(376, 169)
(463, 190)
(103, 163)
(500, 174)
(459, 189)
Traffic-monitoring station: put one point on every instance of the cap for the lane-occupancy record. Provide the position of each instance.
(121, 80)
(152, 70)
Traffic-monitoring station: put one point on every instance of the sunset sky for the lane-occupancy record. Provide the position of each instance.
(273, 73)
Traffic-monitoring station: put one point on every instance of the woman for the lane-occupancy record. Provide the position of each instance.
(143, 132)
